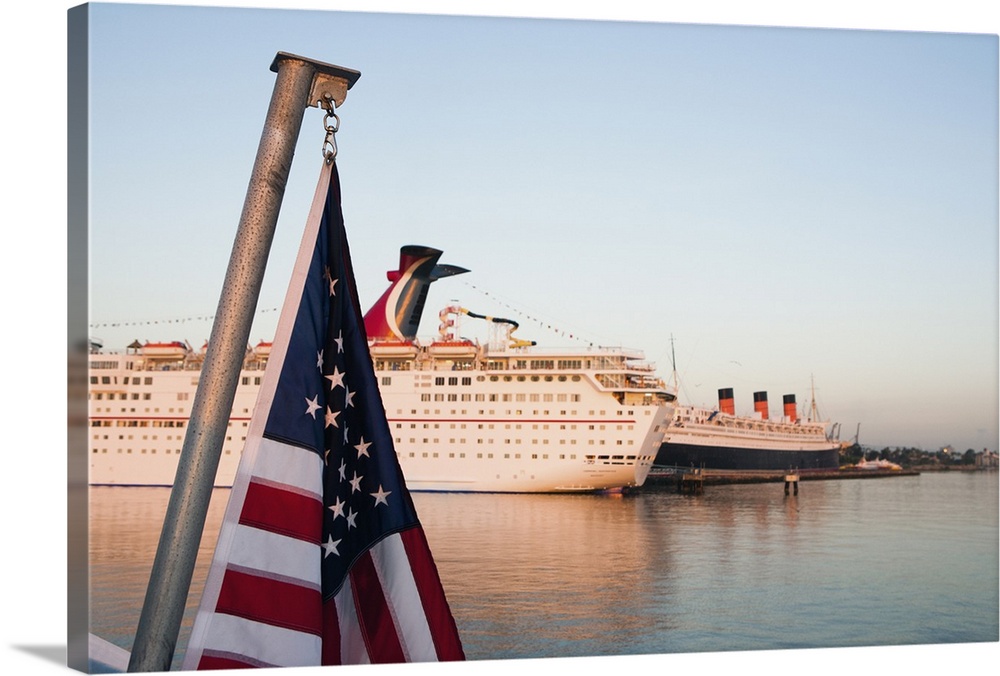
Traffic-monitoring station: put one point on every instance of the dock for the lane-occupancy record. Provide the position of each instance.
(690, 482)
(694, 480)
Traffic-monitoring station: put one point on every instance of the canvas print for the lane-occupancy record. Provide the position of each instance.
(417, 338)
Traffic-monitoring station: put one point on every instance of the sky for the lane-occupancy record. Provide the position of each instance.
(790, 201)
(806, 211)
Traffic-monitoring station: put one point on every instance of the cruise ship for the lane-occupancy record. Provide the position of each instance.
(493, 415)
(720, 439)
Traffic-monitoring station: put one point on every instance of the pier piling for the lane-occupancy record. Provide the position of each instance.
(793, 481)
(692, 482)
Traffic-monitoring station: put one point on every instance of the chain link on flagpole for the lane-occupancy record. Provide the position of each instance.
(330, 142)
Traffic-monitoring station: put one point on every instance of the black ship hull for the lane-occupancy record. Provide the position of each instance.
(735, 458)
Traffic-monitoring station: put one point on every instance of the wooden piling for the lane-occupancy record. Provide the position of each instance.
(691, 482)
(792, 480)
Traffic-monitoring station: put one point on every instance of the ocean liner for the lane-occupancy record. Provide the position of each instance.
(720, 439)
(500, 415)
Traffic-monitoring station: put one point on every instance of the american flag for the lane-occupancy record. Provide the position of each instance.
(321, 558)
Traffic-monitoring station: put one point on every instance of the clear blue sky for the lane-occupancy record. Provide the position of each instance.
(791, 205)
(796, 201)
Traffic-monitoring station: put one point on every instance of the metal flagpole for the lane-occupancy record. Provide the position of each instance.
(300, 83)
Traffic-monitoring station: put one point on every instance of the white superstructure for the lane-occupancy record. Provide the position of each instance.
(707, 427)
(463, 417)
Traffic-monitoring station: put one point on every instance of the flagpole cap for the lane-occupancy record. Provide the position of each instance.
(329, 81)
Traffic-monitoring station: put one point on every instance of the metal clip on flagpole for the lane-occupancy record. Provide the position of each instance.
(300, 83)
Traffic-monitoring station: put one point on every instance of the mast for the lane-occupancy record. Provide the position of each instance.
(673, 366)
(813, 408)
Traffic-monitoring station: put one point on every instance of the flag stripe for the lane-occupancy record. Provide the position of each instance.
(331, 634)
(432, 599)
(271, 601)
(396, 577)
(262, 644)
(282, 511)
(211, 659)
(353, 648)
(374, 618)
(278, 462)
(279, 556)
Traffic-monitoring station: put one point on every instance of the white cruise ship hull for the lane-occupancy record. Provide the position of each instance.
(536, 431)
(590, 444)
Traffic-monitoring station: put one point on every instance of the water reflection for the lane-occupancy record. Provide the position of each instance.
(907, 560)
(528, 575)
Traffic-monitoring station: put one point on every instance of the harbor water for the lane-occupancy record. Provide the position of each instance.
(907, 560)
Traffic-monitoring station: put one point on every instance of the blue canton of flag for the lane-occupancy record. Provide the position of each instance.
(321, 558)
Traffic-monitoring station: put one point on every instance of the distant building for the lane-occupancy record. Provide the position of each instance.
(987, 459)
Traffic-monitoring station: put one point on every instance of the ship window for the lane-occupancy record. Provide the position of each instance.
(439, 381)
(466, 381)
(453, 381)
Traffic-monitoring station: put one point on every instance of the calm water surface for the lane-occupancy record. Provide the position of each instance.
(895, 561)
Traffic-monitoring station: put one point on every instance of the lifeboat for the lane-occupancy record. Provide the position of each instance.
(394, 348)
(453, 348)
(172, 349)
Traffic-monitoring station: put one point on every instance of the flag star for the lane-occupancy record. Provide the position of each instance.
(336, 378)
(331, 418)
(319, 359)
(350, 397)
(356, 483)
(337, 508)
(346, 441)
(351, 516)
(339, 340)
(343, 469)
(330, 547)
(363, 447)
(381, 496)
(329, 275)
(313, 406)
